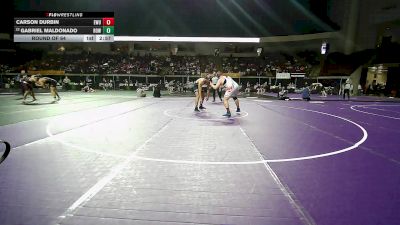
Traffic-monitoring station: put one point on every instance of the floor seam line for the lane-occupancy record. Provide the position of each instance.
(302, 213)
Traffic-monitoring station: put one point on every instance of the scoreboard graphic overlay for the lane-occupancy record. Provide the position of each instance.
(64, 27)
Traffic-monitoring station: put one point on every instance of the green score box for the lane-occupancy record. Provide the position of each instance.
(108, 30)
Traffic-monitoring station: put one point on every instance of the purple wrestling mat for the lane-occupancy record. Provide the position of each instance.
(155, 161)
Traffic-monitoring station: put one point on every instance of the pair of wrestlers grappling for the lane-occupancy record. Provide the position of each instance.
(202, 85)
(29, 82)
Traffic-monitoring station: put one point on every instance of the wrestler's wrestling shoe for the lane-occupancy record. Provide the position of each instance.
(227, 114)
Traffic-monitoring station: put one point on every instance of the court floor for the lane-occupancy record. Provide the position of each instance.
(113, 158)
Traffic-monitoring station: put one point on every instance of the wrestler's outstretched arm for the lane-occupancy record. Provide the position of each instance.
(219, 83)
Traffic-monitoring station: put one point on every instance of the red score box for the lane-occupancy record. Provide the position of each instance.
(108, 21)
